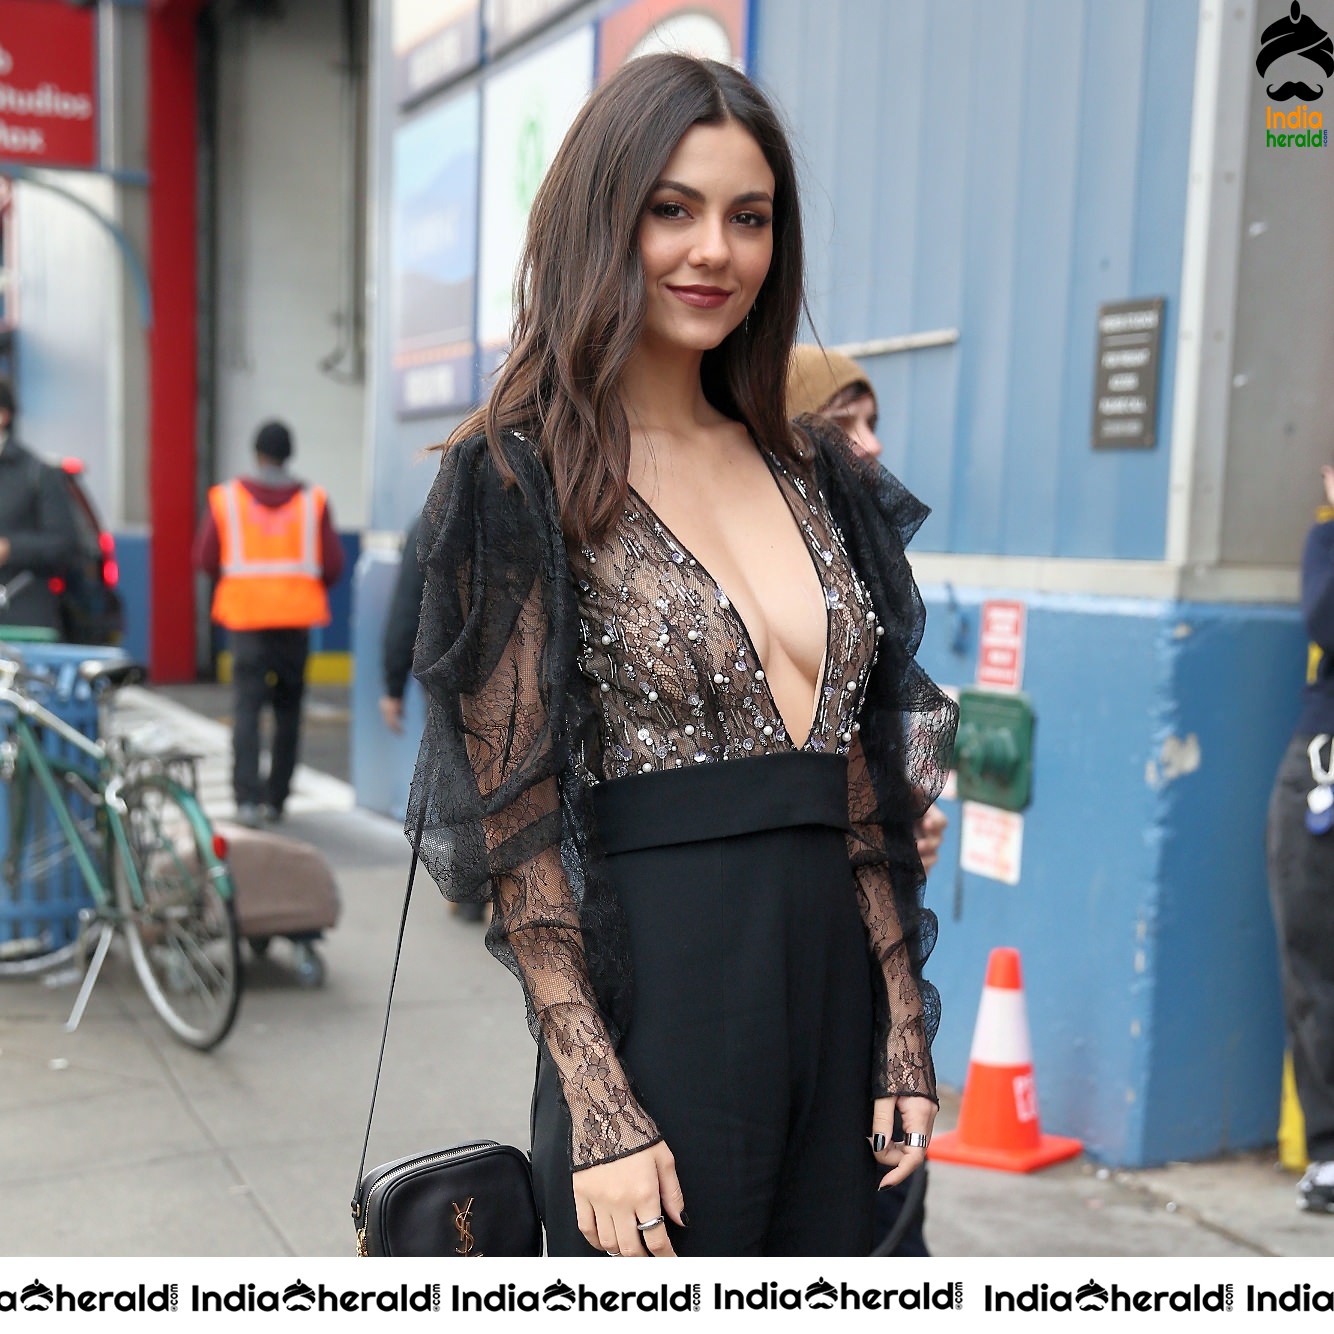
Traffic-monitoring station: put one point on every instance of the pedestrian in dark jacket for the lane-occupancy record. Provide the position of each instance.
(37, 533)
(400, 638)
(400, 630)
(1301, 868)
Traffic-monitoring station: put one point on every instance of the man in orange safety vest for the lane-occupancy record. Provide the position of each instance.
(269, 541)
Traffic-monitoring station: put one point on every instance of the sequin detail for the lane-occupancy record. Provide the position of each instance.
(676, 673)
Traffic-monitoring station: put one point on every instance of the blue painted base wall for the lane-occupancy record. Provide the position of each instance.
(1141, 915)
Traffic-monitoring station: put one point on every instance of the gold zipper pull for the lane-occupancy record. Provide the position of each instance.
(361, 1244)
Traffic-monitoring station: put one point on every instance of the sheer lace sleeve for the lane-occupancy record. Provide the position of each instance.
(908, 1008)
(898, 763)
(502, 801)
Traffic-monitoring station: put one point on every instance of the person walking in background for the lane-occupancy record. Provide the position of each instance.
(1301, 869)
(400, 636)
(400, 629)
(830, 384)
(269, 541)
(37, 534)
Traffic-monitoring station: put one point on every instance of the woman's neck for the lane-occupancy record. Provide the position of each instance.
(662, 393)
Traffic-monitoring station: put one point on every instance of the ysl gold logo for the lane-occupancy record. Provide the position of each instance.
(463, 1226)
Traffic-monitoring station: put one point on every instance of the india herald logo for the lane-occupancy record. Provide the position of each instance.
(1296, 35)
(37, 1296)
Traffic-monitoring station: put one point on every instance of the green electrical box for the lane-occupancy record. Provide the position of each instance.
(993, 753)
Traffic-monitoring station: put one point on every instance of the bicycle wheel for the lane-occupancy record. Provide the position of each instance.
(181, 927)
(42, 890)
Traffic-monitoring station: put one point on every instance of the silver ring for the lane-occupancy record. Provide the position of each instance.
(651, 1223)
(912, 1140)
(616, 1254)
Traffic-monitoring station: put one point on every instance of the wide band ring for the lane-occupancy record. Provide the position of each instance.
(912, 1140)
(651, 1223)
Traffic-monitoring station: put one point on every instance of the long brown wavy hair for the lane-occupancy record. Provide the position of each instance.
(579, 288)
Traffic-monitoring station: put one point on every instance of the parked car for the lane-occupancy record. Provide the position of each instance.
(91, 611)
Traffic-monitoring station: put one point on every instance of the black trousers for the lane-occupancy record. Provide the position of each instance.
(1301, 890)
(750, 1036)
(268, 667)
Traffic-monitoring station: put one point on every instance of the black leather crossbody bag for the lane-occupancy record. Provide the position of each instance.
(466, 1200)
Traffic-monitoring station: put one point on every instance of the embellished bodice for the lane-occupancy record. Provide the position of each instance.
(677, 677)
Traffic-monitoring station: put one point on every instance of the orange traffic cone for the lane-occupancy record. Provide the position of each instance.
(998, 1118)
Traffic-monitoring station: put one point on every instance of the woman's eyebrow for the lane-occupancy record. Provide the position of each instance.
(681, 188)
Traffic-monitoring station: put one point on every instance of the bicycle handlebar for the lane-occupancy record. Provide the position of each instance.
(16, 585)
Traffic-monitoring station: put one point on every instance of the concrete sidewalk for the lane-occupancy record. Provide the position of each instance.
(119, 1141)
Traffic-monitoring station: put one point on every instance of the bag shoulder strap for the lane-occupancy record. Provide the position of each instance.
(384, 1035)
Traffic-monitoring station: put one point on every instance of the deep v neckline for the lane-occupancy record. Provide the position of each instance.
(731, 609)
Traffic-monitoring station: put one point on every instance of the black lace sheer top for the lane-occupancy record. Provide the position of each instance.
(549, 671)
(678, 679)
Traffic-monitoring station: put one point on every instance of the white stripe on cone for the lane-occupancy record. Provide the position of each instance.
(1001, 1034)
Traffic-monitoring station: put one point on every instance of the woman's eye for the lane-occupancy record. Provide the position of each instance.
(669, 210)
(752, 219)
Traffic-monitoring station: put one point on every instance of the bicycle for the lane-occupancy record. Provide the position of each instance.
(130, 827)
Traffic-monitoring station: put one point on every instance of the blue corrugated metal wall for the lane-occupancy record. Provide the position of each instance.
(1141, 913)
(1001, 167)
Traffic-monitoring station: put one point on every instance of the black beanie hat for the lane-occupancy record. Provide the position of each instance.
(274, 441)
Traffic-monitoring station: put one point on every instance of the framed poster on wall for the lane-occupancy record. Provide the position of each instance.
(434, 257)
(434, 41)
(525, 113)
(716, 29)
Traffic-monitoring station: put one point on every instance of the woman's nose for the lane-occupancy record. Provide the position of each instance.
(709, 249)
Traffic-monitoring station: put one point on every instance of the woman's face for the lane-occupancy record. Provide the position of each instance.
(706, 238)
(858, 418)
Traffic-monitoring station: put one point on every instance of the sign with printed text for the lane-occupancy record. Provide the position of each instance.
(1000, 649)
(507, 21)
(48, 84)
(991, 842)
(1125, 382)
(434, 42)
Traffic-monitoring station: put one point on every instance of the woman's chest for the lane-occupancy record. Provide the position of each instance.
(679, 676)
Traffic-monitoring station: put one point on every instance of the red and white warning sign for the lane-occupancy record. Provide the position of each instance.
(1000, 649)
(992, 842)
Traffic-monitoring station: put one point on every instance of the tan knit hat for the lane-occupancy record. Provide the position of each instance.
(816, 374)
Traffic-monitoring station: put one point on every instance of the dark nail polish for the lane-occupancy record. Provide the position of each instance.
(685, 1219)
(878, 1143)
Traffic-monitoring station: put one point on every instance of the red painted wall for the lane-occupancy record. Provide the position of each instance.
(172, 270)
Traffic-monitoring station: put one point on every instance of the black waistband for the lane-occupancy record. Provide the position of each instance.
(720, 799)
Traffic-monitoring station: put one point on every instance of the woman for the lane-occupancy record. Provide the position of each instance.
(673, 735)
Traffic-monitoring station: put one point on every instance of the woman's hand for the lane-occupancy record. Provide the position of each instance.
(918, 1115)
(929, 832)
(611, 1199)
